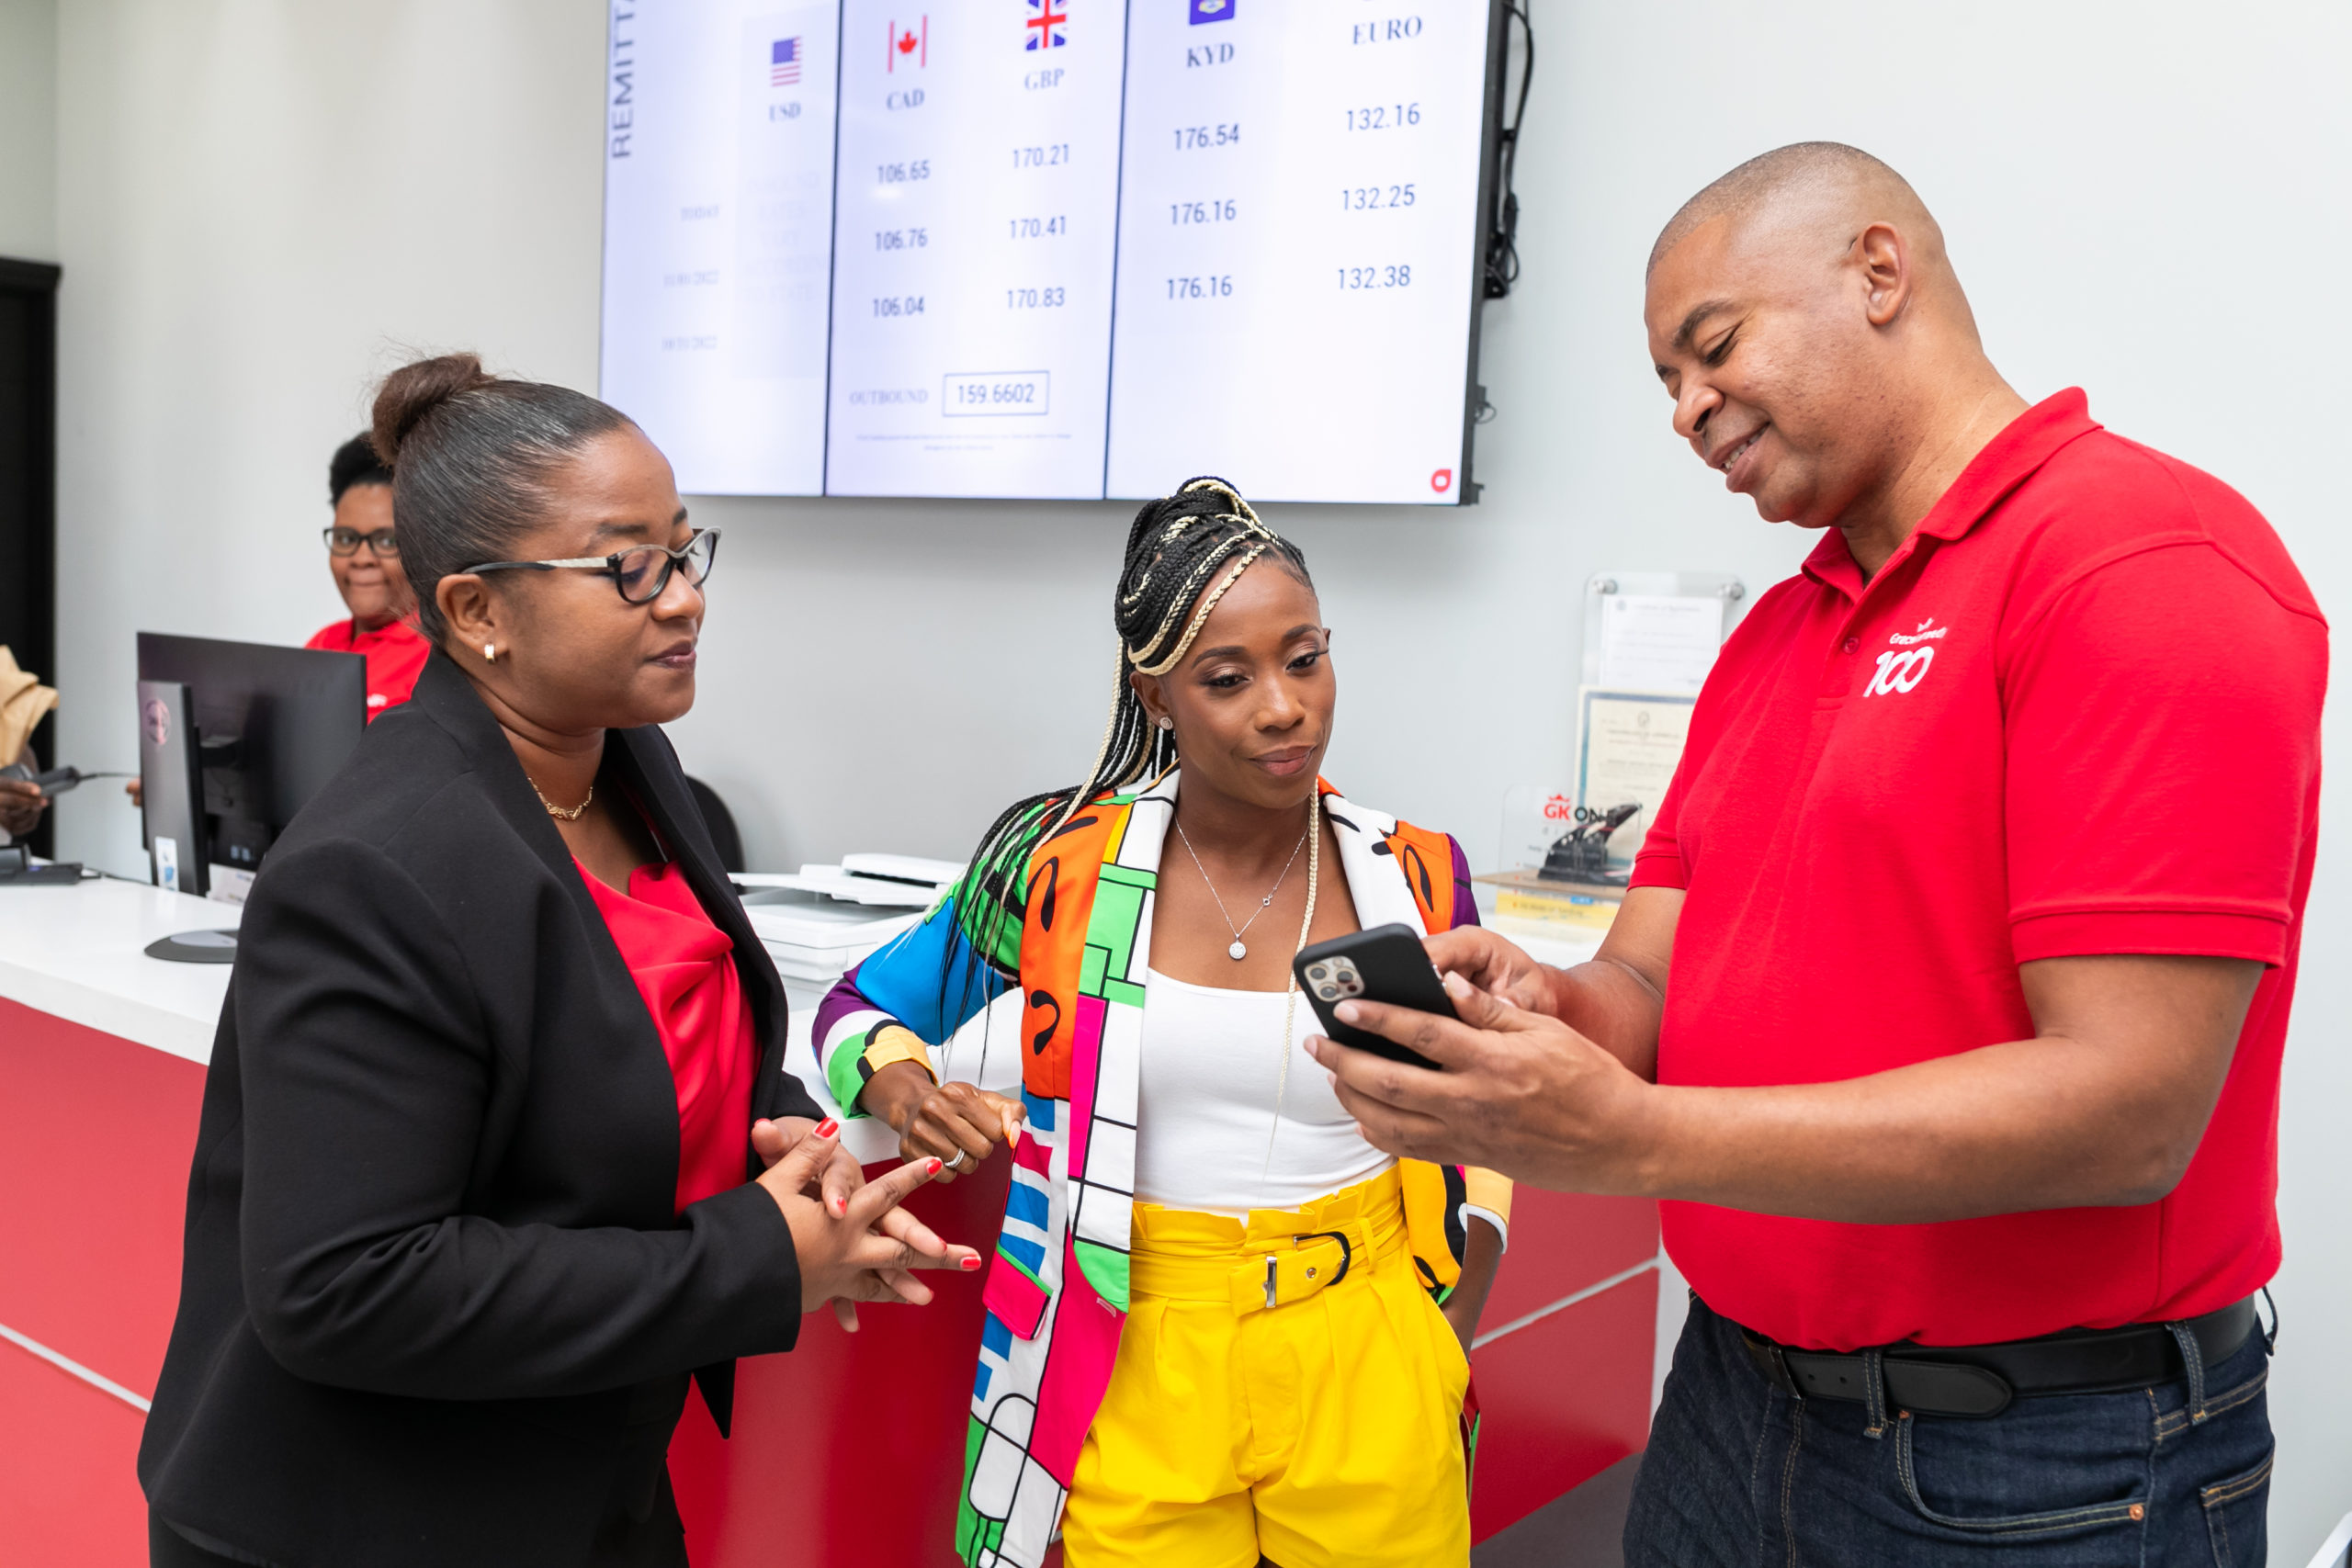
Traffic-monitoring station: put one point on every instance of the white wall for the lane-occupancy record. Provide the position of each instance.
(28, 129)
(260, 202)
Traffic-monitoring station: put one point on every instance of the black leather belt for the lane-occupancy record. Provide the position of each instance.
(1981, 1379)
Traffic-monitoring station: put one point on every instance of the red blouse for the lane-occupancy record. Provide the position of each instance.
(683, 966)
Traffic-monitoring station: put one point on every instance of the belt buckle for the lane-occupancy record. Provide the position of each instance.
(1271, 1284)
(1772, 1362)
(1347, 1257)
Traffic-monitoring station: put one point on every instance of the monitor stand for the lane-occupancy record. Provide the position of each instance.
(196, 947)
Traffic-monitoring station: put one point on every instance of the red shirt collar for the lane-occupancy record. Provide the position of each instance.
(2008, 461)
(404, 630)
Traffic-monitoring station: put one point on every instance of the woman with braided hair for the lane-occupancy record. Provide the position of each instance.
(1221, 1326)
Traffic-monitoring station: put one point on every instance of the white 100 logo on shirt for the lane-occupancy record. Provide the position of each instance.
(1899, 671)
(1905, 665)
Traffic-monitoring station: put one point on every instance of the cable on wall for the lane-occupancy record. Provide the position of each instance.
(1502, 226)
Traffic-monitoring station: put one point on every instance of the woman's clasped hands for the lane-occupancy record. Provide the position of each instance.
(957, 1122)
(853, 1241)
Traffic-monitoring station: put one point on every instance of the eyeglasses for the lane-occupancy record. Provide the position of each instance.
(346, 541)
(641, 574)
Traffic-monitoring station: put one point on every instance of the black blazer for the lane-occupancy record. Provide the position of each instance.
(436, 1307)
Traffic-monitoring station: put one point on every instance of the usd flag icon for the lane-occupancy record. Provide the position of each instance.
(910, 46)
(1212, 11)
(783, 63)
(1043, 21)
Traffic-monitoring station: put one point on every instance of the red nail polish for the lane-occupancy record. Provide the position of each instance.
(968, 1264)
(828, 1127)
(930, 1168)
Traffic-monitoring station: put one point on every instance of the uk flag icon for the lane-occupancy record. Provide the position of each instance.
(1048, 25)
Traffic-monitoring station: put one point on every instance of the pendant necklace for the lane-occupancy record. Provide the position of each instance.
(557, 811)
(1240, 950)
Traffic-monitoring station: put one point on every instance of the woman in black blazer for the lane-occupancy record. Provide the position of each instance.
(443, 1289)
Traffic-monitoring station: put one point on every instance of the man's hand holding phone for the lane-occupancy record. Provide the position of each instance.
(1387, 963)
(1493, 965)
(1513, 1089)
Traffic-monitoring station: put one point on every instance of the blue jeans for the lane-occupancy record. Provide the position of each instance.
(1743, 1475)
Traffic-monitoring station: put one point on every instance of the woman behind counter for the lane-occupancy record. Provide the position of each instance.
(1249, 1354)
(364, 553)
(479, 1179)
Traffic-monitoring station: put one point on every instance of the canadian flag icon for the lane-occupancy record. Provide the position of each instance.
(909, 45)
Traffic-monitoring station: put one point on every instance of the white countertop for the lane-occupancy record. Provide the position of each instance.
(79, 954)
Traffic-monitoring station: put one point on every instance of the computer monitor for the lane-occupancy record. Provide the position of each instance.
(270, 726)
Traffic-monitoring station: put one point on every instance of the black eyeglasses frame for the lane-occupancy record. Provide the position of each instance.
(383, 541)
(611, 565)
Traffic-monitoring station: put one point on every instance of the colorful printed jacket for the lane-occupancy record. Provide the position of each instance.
(1077, 938)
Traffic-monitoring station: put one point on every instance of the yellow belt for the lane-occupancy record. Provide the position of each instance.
(1276, 1258)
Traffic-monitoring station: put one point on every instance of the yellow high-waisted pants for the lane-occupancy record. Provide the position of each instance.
(1324, 1430)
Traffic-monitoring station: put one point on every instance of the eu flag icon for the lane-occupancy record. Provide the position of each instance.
(1212, 11)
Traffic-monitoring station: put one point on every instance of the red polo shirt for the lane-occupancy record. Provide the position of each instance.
(395, 655)
(2076, 713)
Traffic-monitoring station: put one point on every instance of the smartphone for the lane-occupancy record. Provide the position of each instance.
(1387, 963)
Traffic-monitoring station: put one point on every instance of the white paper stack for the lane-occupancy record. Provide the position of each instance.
(820, 921)
(904, 881)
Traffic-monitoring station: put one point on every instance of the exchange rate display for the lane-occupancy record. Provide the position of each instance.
(1048, 248)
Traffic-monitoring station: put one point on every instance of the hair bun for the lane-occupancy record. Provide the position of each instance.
(415, 390)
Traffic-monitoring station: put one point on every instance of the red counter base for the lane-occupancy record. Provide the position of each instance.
(69, 1496)
(850, 1449)
(95, 1137)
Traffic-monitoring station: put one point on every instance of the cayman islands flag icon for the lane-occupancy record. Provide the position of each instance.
(1211, 11)
(1048, 24)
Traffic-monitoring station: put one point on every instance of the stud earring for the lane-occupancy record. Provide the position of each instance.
(1166, 722)
(490, 652)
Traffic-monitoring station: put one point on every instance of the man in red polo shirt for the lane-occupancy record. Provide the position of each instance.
(1947, 1007)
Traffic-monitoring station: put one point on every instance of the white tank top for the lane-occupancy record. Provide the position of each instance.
(1208, 1138)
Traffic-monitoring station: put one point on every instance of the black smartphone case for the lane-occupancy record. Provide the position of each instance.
(1387, 963)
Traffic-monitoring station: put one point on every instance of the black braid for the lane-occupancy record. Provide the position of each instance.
(1180, 547)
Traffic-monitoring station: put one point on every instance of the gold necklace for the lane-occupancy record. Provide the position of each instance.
(558, 811)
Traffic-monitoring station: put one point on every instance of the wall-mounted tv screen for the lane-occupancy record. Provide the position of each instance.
(1049, 248)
